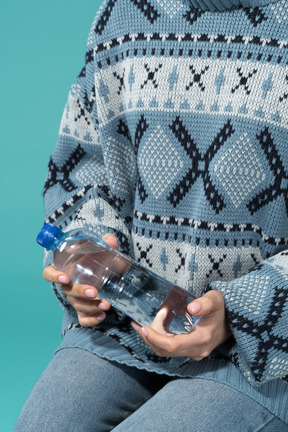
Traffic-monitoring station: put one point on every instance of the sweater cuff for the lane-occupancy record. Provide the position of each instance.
(257, 310)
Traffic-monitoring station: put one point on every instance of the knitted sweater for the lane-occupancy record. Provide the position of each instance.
(174, 138)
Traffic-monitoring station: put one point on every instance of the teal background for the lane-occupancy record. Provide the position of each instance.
(42, 46)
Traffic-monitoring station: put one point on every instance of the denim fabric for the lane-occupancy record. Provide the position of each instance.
(80, 392)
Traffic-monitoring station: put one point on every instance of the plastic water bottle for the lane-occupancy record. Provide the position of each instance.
(129, 287)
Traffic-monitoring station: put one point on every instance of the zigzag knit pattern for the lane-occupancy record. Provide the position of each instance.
(174, 137)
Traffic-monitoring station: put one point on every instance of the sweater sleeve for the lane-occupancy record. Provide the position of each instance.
(257, 309)
(91, 178)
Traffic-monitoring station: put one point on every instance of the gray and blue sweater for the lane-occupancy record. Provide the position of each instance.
(174, 138)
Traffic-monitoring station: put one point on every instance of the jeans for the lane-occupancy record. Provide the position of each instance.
(80, 392)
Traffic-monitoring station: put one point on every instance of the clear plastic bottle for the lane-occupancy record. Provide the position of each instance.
(129, 287)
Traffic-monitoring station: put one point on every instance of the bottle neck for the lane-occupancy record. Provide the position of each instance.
(54, 240)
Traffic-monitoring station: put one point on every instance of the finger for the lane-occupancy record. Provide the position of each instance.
(73, 290)
(87, 306)
(143, 335)
(209, 303)
(90, 321)
(158, 322)
(84, 293)
(81, 291)
(136, 326)
(191, 345)
(110, 239)
(52, 275)
(163, 344)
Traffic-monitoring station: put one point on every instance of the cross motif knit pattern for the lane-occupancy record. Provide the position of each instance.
(174, 137)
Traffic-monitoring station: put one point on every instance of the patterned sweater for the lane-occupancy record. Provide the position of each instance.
(174, 138)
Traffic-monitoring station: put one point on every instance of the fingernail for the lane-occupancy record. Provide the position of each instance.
(195, 307)
(103, 306)
(112, 240)
(144, 331)
(101, 316)
(91, 293)
(63, 279)
(135, 326)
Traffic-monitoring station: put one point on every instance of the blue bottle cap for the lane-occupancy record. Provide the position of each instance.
(49, 235)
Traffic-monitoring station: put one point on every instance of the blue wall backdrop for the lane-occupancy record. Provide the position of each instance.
(42, 51)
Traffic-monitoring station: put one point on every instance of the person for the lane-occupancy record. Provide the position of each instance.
(172, 146)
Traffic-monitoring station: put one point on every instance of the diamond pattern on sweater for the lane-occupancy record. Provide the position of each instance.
(86, 175)
(120, 163)
(171, 7)
(239, 170)
(252, 301)
(280, 263)
(280, 10)
(159, 162)
(277, 365)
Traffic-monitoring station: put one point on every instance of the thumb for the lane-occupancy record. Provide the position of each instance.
(209, 303)
(110, 239)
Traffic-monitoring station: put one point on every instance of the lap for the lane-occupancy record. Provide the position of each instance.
(79, 391)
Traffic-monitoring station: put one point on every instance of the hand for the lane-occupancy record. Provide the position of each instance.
(210, 331)
(84, 298)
